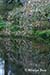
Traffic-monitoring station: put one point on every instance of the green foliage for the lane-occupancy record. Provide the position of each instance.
(2, 25)
(42, 36)
(20, 20)
(14, 28)
(19, 3)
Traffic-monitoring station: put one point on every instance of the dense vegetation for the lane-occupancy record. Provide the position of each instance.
(25, 36)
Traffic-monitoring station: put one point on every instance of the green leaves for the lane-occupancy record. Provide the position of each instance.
(14, 28)
(42, 36)
(2, 25)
